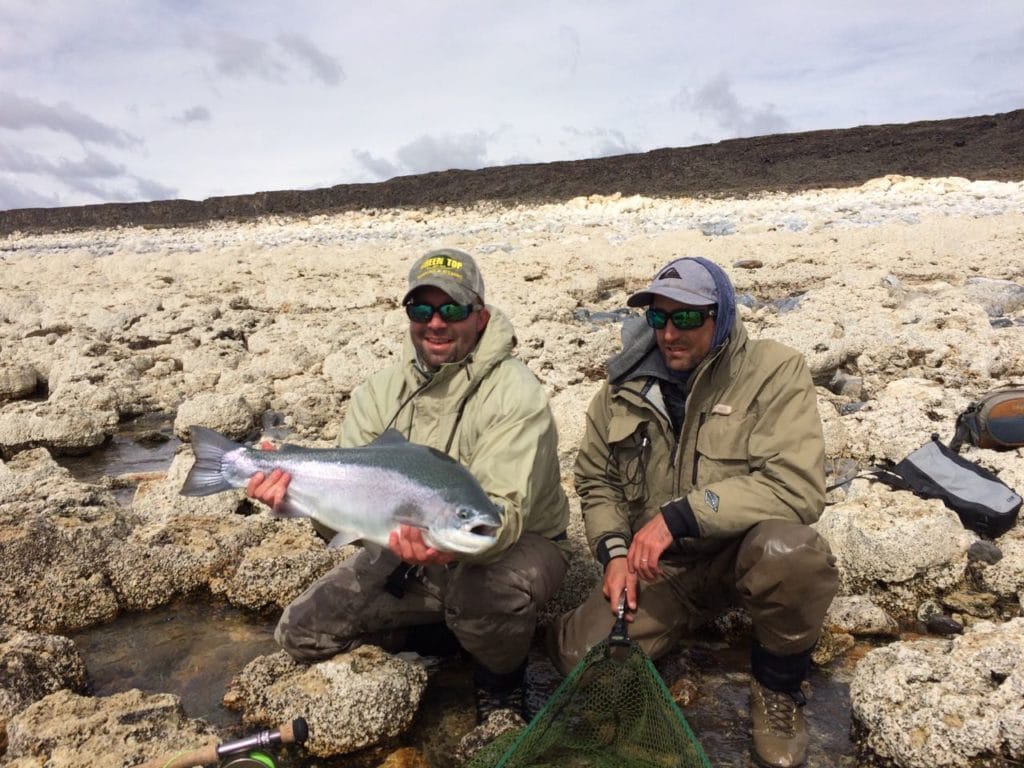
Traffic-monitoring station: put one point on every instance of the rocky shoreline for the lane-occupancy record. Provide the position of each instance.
(906, 295)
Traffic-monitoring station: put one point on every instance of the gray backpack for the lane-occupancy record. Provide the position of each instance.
(984, 503)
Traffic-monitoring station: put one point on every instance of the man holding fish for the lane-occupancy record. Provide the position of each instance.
(458, 390)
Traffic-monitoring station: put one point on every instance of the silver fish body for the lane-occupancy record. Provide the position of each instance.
(362, 493)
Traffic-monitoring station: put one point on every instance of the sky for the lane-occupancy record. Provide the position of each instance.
(139, 100)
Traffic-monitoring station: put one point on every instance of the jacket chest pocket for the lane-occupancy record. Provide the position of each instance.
(722, 449)
(629, 449)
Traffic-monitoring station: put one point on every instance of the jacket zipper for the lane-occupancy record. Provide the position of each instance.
(696, 453)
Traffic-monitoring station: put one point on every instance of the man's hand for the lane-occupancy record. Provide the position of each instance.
(270, 489)
(408, 544)
(649, 543)
(618, 578)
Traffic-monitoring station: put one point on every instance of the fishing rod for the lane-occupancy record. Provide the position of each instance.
(244, 752)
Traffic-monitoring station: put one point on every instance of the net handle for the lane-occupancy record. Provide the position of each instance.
(619, 635)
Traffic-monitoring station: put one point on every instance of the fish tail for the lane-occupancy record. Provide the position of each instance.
(206, 476)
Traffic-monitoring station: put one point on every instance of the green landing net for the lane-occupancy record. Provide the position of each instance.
(612, 711)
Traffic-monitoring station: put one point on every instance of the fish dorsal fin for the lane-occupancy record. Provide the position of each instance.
(390, 437)
(393, 437)
(440, 455)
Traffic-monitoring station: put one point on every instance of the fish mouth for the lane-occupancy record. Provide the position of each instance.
(490, 531)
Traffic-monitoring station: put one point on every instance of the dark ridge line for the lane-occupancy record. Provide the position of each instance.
(985, 147)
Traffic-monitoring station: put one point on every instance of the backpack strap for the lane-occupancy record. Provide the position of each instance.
(885, 476)
(966, 429)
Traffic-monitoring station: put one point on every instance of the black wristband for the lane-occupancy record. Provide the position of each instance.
(611, 546)
(679, 518)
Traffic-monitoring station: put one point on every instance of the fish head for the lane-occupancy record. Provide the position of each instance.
(445, 500)
(464, 527)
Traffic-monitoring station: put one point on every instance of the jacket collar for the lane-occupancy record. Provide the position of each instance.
(640, 358)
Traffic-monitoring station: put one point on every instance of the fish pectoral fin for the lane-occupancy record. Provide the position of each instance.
(412, 522)
(375, 550)
(341, 538)
(409, 513)
(289, 508)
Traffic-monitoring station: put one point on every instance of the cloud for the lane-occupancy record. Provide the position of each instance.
(93, 175)
(154, 190)
(602, 142)
(17, 160)
(324, 67)
(13, 195)
(93, 165)
(20, 113)
(429, 153)
(378, 167)
(466, 151)
(197, 114)
(240, 57)
(717, 100)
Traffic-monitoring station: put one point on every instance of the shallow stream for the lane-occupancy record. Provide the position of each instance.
(193, 649)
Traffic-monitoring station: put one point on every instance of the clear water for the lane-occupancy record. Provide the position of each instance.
(720, 714)
(143, 445)
(193, 649)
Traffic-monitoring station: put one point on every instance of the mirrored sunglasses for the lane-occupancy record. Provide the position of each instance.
(683, 319)
(450, 313)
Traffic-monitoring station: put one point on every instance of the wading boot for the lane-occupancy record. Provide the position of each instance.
(496, 691)
(778, 727)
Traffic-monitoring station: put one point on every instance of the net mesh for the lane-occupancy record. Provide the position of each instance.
(612, 710)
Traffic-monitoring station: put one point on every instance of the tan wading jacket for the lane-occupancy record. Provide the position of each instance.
(751, 448)
(490, 413)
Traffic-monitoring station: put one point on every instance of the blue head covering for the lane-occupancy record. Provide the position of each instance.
(692, 280)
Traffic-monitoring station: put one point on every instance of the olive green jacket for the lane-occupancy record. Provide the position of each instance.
(750, 448)
(488, 412)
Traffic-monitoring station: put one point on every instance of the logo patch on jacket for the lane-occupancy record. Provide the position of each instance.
(711, 499)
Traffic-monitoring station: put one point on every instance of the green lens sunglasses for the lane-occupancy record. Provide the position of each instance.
(450, 313)
(683, 319)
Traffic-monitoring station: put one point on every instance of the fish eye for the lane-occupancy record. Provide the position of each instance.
(464, 513)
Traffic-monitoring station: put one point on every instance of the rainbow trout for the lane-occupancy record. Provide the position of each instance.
(362, 493)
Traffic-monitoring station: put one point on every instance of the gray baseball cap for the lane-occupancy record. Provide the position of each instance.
(451, 270)
(683, 280)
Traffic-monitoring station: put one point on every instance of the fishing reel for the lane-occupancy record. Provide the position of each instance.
(247, 752)
(255, 759)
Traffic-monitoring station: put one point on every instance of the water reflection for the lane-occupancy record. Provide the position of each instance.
(189, 649)
(193, 650)
(720, 715)
(140, 446)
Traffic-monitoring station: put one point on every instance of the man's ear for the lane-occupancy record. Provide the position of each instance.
(483, 316)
